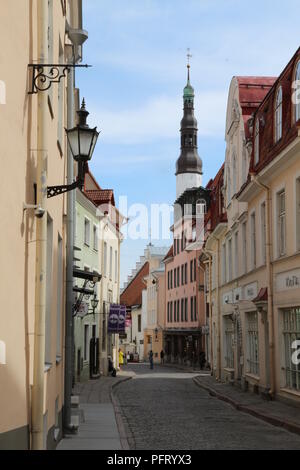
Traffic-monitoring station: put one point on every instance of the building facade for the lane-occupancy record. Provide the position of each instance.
(252, 255)
(34, 150)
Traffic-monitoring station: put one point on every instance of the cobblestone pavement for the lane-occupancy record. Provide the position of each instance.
(164, 409)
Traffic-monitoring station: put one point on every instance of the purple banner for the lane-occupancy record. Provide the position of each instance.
(116, 319)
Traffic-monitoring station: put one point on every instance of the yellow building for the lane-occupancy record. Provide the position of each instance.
(253, 277)
(34, 155)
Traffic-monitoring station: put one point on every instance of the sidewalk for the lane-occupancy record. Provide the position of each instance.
(273, 412)
(101, 427)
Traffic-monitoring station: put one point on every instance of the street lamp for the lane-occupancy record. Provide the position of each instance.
(82, 141)
(94, 302)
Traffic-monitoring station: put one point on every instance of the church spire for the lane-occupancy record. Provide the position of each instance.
(189, 160)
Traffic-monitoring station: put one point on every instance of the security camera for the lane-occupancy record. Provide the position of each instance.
(39, 212)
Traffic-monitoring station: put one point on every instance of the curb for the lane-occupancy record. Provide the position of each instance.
(125, 433)
(273, 420)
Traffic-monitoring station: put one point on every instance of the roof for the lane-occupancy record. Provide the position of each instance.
(132, 294)
(170, 253)
(101, 196)
(252, 91)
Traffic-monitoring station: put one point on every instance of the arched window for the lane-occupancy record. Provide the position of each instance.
(256, 142)
(278, 115)
(296, 93)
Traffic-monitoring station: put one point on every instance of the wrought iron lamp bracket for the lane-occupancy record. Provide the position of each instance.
(57, 190)
(43, 75)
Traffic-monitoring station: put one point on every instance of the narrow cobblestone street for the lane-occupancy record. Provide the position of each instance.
(164, 409)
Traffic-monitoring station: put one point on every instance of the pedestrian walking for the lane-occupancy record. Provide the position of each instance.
(128, 357)
(162, 356)
(151, 359)
(202, 359)
(111, 368)
(121, 358)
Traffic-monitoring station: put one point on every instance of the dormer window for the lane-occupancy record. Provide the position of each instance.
(256, 142)
(278, 115)
(297, 93)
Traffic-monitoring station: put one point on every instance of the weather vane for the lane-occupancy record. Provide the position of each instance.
(189, 56)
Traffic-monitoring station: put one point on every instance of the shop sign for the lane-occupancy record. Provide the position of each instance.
(288, 280)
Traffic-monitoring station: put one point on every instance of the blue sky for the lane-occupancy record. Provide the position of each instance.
(134, 90)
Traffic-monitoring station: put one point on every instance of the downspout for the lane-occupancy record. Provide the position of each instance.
(269, 282)
(209, 262)
(41, 243)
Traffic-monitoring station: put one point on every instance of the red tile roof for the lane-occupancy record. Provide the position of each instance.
(101, 196)
(132, 294)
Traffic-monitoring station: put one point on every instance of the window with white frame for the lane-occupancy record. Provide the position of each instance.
(297, 93)
(87, 229)
(110, 262)
(252, 343)
(278, 115)
(224, 263)
(298, 212)
(281, 229)
(244, 165)
(234, 174)
(229, 343)
(105, 260)
(291, 334)
(236, 254)
(253, 240)
(244, 247)
(263, 232)
(116, 266)
(256, 142)
(95, 237)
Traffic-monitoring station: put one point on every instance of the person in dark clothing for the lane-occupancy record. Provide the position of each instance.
(111, 368)
(202, 359)
(162, 355)
(151, 359)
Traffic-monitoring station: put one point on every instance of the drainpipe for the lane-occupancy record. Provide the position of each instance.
(41, 243)
(254, 178)
(209, 262)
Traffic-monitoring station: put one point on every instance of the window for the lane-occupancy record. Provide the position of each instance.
(278, 115)
(186, 309)
(253, 241)
(175, 311)
(175, 247)
(229, 341)
(175, 277)
(192, 308)
(234, 174)
(182, 274)
(297, 93)
(195, 309)
(178, 276)
(95, 238)
(182, 307)
(86, 342)
(171, 311)
(168, 312)
(105, 260)
(263, 232)
(223, 263)
(195, 270)
(178, 310)
(86, 232)
(281, 223)
(116, 266)
(256, 142)
(110, 262)
(185, 273)
(177, 250)
(191, 271)
(236, 254)
(298, 213)
(291, 333)
(139, 323)
(244, 242)
(252, 343)
(230, 259)
(171, 279)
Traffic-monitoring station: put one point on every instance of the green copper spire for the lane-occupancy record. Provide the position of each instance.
(188, 92)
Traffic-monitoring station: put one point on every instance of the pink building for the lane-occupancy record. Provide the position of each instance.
(185, 307)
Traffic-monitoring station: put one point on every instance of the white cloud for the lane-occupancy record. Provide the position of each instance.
(160, 119)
